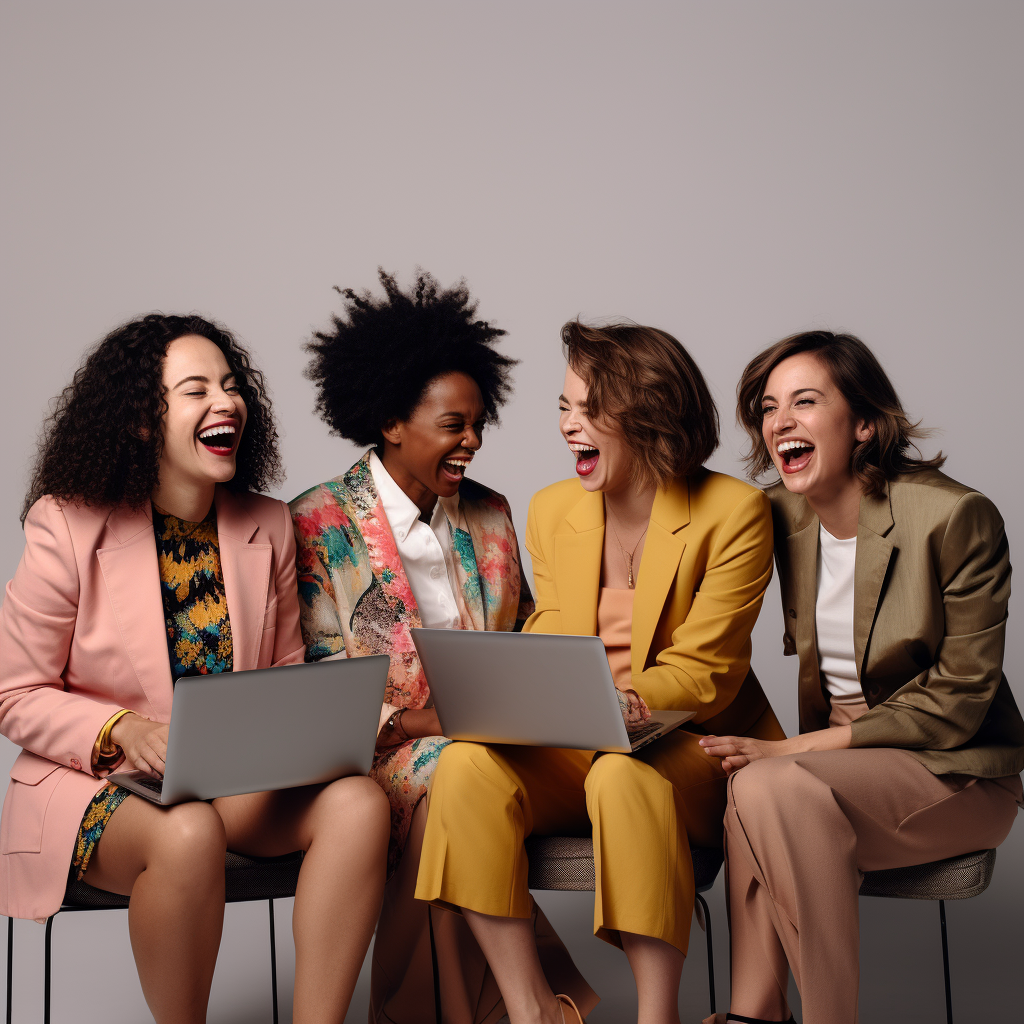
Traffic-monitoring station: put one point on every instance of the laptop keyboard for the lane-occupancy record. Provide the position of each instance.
(638, 736)
(147, 782)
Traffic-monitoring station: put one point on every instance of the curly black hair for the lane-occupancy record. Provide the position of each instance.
(375, 364)
(101, 444)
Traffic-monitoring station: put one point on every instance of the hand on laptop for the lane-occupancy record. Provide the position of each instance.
(144, 744)
(634, 711)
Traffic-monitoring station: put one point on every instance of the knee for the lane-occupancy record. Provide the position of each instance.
(612, 775)
(764, 786)
(190, 834)
(355, 804)
(465, 768)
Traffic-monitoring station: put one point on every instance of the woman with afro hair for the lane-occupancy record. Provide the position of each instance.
(148, 557)
(404, 538)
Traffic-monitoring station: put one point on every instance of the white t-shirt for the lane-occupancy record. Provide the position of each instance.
(425, 550)
(833, 615)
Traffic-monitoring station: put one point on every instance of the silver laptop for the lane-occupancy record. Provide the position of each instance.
(274, 728)
(536, 689)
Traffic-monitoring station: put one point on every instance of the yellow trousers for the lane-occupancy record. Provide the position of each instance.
(645, 811)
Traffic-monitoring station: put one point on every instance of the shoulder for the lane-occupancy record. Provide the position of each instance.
(330, 492)
(475, 495)
(79, 525)
(271, 515)
(929, 503)
(555, 500)
(930, 493)
(790, 512)
(721, 491)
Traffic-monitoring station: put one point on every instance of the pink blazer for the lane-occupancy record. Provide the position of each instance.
(82, 634)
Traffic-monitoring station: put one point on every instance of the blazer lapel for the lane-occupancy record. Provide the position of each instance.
(659, 563)
(874, 556)
(132, 577)
(246, 568)
(385, 563)
(802, 552)
(578, 561)
(464, 519)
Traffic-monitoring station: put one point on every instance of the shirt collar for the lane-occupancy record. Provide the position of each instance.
(401, 510)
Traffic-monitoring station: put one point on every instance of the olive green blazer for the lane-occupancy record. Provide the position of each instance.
(932, 582)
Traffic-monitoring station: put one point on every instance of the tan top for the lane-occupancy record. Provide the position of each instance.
(615, 628)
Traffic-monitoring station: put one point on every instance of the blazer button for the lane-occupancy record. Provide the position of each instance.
(76, 764)
(792, 613)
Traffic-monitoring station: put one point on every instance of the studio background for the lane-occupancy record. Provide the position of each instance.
(731, 172)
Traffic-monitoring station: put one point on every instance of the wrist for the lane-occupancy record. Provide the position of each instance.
(117, 731)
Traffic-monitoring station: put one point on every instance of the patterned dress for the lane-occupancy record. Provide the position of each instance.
(354, 596)
(198, 636)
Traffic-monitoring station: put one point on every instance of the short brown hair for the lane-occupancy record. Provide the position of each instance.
(645, 381)
(863, 383)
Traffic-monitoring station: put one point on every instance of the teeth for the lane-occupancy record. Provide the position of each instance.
(573, 446)
(457, 463)
(788, 446)
(215, 431)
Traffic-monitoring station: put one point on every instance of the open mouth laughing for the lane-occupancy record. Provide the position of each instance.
(586, 457)
(220, 438)
(453, 467)
(795, 454)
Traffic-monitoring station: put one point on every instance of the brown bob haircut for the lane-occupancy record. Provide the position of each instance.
(863, 383)
(646, 382)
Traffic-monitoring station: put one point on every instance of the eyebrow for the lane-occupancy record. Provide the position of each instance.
(799, 391)
(202, 380)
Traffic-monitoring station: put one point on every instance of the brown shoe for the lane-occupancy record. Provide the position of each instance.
(566, 1005)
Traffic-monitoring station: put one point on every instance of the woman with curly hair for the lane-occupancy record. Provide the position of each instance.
(405, 539)
(148, 558)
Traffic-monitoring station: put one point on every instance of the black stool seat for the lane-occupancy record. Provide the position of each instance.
(246, 879)
(957, 878)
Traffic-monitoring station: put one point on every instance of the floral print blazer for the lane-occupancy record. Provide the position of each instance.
(354, 595)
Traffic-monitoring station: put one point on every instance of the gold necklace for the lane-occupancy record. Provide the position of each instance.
(628, 559)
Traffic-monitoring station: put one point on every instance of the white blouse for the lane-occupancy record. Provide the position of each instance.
(833, 615)
(425, 550)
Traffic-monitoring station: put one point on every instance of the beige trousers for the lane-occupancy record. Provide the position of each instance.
(801, 830)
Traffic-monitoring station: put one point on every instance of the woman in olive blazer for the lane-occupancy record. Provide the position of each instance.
(895, 581)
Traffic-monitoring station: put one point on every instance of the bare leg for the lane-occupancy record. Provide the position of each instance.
(344, 829)
(170, 861)
(657, 967)
(511, 949)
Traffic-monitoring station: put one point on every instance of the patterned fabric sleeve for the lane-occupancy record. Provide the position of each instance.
(318, 606)
(526, 602)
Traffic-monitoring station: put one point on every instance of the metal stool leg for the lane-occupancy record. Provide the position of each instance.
(10, 965)
(434, 966)
(273, 959)
(711, 951)
(46, 972)
(945, 961)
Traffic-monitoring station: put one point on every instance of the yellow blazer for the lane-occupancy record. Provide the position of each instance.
(706, 563)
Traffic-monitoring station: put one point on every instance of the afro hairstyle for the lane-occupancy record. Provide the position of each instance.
(373, 367)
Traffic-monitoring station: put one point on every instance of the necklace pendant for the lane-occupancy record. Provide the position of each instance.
(629, 580)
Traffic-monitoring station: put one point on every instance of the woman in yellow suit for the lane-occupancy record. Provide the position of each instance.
(673, 586)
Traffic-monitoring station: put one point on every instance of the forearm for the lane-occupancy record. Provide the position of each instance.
(419, 722)
(55, 724)
(837, 738)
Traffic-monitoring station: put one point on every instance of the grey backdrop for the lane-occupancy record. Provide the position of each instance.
(731, 172)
